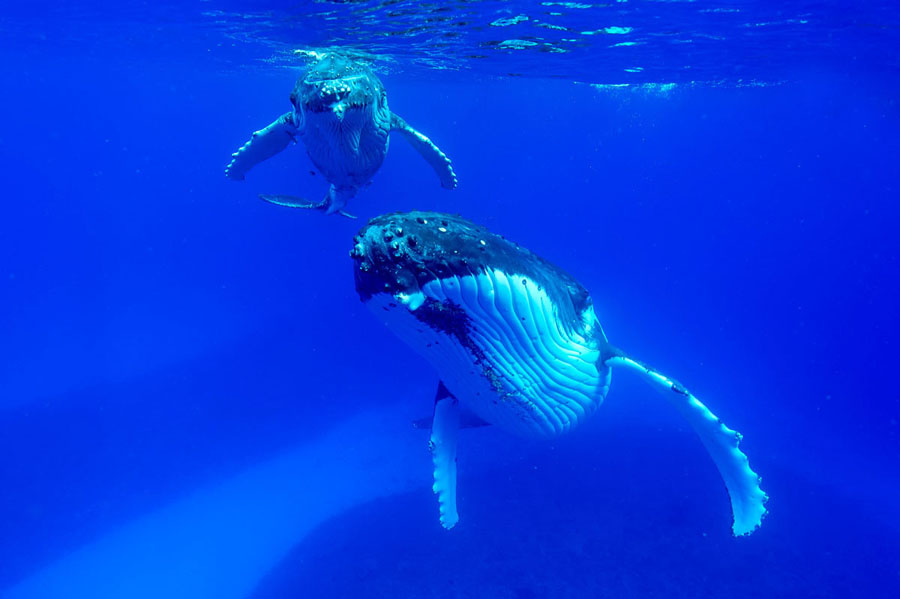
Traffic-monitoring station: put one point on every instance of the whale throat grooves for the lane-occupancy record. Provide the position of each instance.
(499, 345)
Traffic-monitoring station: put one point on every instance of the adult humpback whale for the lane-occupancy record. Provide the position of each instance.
(515, 340)
(340, 113)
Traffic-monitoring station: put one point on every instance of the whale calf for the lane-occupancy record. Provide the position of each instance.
(340, 113)
(515, 340)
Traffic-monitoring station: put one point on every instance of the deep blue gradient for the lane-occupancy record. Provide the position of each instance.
(162, 331)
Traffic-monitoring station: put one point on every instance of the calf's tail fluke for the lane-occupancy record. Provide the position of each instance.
(748, 501)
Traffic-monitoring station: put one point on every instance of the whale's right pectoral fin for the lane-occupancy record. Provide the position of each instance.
(748, 501)
(444, 432)
(263, 144)
(428, 150)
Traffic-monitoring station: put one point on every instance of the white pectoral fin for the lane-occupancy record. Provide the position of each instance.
(428, 150)
(263, 144)
(748, 501)
(444, 433)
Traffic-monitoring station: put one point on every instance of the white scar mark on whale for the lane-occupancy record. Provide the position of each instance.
(221, 540)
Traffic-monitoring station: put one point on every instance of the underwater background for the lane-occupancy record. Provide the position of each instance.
(194, 402)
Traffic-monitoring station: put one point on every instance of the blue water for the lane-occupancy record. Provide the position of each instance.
(194, 402)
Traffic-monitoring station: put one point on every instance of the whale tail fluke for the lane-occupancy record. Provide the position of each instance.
(292, 201)
(748, 501)
(295, 202)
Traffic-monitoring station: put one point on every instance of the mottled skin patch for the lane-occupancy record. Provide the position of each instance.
(453, 321)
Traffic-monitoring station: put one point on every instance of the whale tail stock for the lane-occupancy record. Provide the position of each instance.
(748, 500)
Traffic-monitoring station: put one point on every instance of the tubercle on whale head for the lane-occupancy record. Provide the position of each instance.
(386, 259)
(399, 253)
(337, 84)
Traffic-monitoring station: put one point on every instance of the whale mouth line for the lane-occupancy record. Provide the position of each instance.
(322, 80)
(320, 107)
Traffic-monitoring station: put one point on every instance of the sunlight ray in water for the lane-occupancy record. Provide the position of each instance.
(220, 541)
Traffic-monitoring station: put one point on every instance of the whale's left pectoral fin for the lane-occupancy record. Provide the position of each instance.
(430, 152)
(444, 432)
(748, 501)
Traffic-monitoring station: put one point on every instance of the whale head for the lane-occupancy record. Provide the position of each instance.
(338, 88)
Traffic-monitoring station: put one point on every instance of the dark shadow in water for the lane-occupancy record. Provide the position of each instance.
(594, 522)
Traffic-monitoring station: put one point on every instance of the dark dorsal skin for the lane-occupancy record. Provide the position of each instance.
(398, 253)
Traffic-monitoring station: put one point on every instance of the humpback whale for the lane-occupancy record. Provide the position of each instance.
(515, 340)
(340, 113)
